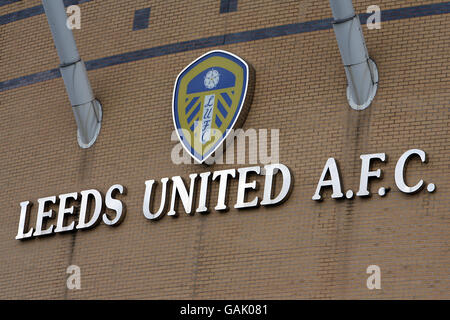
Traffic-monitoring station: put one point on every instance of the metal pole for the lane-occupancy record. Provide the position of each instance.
(87, 110)
(361, 71)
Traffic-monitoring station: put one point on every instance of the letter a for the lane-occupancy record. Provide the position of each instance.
(74, 21)
(374, 21)
(74, 280)
(374, 281)
(334, 181)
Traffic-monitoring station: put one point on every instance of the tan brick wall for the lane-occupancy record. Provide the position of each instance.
(301, 249)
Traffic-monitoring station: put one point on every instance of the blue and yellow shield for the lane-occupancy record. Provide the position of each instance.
(208, 98)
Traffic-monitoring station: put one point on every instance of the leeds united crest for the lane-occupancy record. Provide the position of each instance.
(211, 97)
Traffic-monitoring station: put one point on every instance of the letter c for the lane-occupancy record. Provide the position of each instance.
(400, 171)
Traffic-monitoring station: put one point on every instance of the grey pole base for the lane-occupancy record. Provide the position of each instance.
(373, 91)
(99, 113)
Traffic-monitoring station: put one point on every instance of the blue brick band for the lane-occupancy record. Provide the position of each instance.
(33, 11)
(214, 41)
(5, 2)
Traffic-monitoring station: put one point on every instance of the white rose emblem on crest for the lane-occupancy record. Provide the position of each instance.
(211, 79)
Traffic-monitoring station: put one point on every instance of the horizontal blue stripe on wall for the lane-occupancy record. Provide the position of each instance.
(231, 38)
(33, 11)
(5, 2)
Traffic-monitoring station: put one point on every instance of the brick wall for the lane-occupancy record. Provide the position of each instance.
(300, 249)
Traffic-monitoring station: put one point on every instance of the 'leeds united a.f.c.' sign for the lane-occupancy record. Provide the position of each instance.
(211, 97)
